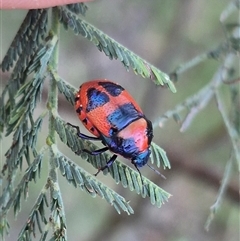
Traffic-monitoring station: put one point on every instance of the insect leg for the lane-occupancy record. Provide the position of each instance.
(138, 172)
(96, 152)
(83, 136)
(109, 163)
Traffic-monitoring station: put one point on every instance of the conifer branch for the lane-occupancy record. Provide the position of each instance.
(194, 104)
(158, 154)
(113, 49)
(14, 200)
(78, 177)
(36, 218)
(217, 53)
(118, 170)
(222, 190)
(57, 216)
(232, 130)
(64, 87)
(26, 41)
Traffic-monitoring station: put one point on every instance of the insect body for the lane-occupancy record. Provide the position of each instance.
(109, 112)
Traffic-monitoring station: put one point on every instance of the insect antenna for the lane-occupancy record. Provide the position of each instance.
(159, 173)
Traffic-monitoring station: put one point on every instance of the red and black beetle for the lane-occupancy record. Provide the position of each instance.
(110, 113)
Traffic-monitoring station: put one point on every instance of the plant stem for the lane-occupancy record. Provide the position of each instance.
(57, 208)
(53, 91)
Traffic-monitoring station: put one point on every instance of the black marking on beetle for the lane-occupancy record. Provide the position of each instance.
(149, 131)
(112, 88)
(79, 109)
(92, 129)
(113, 131)
(85, 121)
(123, 116)
(77, 98)
(96, 99)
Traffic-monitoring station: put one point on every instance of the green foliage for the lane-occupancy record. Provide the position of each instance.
(78, 177)
(26, 41)
(227, 75)
(113, 49)
(32, 58)
(118, 170)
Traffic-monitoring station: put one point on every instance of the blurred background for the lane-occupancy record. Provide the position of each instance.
(166, 34)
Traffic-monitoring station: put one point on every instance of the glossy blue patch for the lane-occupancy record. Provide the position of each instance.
(112, 88)
(122, 116)
(96, 99)
(125, 147)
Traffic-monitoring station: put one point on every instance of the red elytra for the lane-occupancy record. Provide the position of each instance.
(111, 114)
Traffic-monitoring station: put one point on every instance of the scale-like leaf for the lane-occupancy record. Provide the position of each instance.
(36, 218)
(118, 170)
(22, 187)
(159, 156)
(113, 49)
(79, 177)
(26, 40)
(65, 88)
